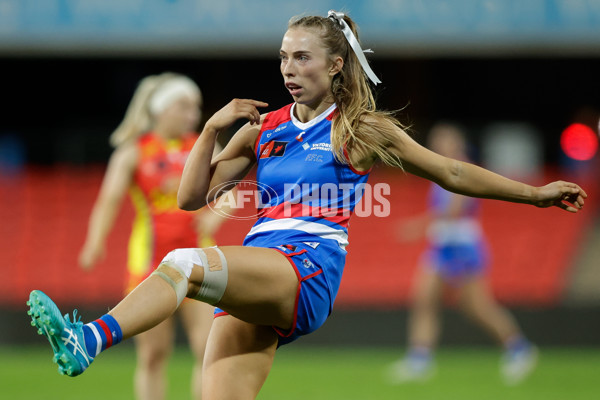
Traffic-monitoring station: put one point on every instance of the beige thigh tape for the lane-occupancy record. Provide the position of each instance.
(215, 275)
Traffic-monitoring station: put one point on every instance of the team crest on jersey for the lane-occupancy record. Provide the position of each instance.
(273, 148)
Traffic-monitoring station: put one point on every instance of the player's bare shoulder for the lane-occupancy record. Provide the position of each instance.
(126, 156)
(250, 132)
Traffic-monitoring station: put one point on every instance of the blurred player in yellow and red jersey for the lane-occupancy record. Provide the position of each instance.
(151, 147)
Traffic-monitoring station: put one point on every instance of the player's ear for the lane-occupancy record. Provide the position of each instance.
(336, 66)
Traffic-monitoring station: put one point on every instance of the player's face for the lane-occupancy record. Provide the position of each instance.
(305, 66)
(447, 142)
(182, 116)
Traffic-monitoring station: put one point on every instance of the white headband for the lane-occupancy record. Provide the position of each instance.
(339, 18)
(170, 91)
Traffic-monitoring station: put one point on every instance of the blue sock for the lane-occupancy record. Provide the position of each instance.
(101, 334)
(517, 344)
(420, 354)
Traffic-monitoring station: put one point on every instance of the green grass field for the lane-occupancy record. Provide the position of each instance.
(302, 372)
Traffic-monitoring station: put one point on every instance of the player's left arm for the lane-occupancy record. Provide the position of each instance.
(471, 180)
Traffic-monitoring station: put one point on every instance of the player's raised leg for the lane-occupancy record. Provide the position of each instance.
(256, 285)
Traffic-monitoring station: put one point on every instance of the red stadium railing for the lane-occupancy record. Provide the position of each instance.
(44, 214)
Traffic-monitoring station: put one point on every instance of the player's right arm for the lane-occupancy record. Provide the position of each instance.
(202, 173)
(115, 184)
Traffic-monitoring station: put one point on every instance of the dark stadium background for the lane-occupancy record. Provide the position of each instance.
(60, 106)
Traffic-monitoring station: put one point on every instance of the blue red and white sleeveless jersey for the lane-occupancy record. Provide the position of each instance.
(457, 246)
(462, 229)
(306, 200)
(308, 195)
(440, 200)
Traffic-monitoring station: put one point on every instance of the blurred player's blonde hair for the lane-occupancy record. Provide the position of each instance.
(359, 126)
(138, 117)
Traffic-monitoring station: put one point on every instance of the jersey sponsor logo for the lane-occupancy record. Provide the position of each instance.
(314, 245)
(307, 263)
(321, 146)
(280, 128)
(163, 201)
(273, 148)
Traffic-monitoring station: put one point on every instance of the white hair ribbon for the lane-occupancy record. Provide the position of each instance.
(171, 91)
(339, 18)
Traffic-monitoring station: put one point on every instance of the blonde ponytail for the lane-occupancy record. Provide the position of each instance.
(359, 128)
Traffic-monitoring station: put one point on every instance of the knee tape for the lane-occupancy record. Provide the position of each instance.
(176, 269)
(215, 275)
(177, 266)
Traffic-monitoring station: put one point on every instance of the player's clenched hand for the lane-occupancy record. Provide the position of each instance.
(566, 195)
(236, 109)
(90, 255)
